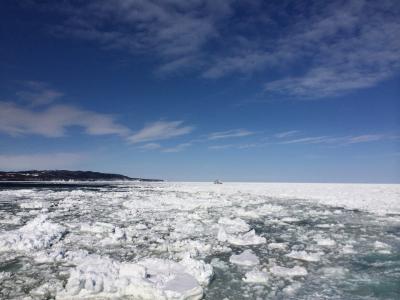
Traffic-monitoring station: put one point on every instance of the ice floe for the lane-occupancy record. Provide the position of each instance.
(100, 277)
(326, 242)
(305, 256)
(256, 276)
(291, 289)
(245, 239)
(296, 271)
(277, 246)
(36, 234)
(382, 248)
(246, 258)
(233, 225)
(34, 204)
(153, 240)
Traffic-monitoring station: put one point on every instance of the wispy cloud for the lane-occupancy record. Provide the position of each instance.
(286, 138)
(308, 140)
(175, 31)
(347, 45)
(229, 134)
(54, 120)
(220, 147)
(368, 138)
(40, 161)
(150, 146)
(285, 134)
(341, 140)
(235, 146)
(160, 130)
(38, 93)
(332, 48)
(40, 117)
(177, 148)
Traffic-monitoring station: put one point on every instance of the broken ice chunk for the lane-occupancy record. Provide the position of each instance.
(246, 258)
(288, 272)
(256, 276)
(305, 256)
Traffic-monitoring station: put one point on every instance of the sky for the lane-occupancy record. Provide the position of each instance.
(292, 91)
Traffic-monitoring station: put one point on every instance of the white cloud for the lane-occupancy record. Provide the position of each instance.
(367, 138)
(332, 48)
(39, 161)
(234, 146)
(177, 148)
(160, 130)
(150, 146)
(175, 31)
(54, 120)
(229, 134)
(248, 146)
(309, 140)
(341, 140)
(220, 147)
(38, 93)
(284, 134)
(341, 46)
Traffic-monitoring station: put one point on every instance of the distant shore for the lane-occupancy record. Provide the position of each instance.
(66, 176)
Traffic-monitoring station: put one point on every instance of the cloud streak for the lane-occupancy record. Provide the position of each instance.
(178, 148)
(286, 139)
(160, 130)
(235, 133)
(285, 134)
(342, 140)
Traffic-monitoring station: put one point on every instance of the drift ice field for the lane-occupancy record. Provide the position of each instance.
(199, 241)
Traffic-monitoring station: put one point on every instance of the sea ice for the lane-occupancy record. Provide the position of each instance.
(348, 249)
(336, 272)
(100, 277)
(233, 225)
(245, 239)
(305, 256)
(249, 214)
(288, 272)
(34, 204)
(256, 276)
(325, 242)
(193, 247)
(141, 226)
(290, 220)
(382, 248)
(381, 245)
(36, 234)
(277, 246)
(217, 263)
(246, 258)
(291, 289)
(100, 242)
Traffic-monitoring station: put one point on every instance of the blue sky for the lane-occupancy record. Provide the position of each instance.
(299, 91)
